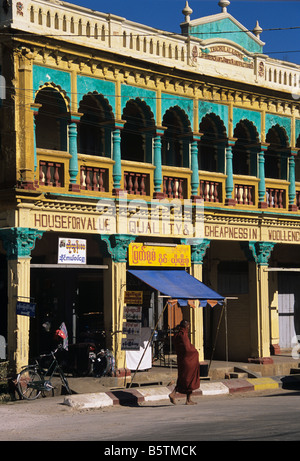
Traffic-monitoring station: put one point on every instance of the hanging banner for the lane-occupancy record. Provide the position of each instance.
(159, 256)
(71, 251)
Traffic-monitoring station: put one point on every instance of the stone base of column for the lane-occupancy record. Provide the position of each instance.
(229, 202)
(275, 349)
(74, 188)
(261, 360)
(27, 185)
(293, 207)
(194, 198)
(262, 205)
(158, 195)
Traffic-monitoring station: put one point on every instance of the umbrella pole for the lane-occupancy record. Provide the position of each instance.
(149, 341)
(213, 351)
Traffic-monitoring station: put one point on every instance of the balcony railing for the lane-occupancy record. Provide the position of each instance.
(51, 174)
(276, 197)
(94, 178)
(136, 183)
(175, 187)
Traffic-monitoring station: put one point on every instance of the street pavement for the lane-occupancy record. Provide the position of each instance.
(142, 394)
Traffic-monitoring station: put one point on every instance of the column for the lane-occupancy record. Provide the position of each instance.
(260, 316)
(229, 174)
(198, 251)
(261, 175)
(157, 162)
(115, 283)
(35, 111)
(291, 178)
(73, 165)
(117, 168)
(18, 243)
(195, 167)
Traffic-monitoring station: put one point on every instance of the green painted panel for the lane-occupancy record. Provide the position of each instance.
(186, 104)
(221, 110)
(42, 75)
(284, 122)
(89, 85)
(226, 29)
(245, 114)
(297, 128)
(129, 92)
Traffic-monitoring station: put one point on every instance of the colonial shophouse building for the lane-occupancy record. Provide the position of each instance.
(106, 125)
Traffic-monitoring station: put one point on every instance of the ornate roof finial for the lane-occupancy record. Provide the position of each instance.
(187, 11)
(223, 4)
(257, 30)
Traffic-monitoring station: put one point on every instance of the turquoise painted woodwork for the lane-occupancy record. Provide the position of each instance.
(73, 165)
(245, 114)
(221, 110)
(284, 122)
(18, 242)
(292, 184)
(198, 249)
(87, 85)
(157, 163)
(42, 75)
(194, 167)
(229, 173)
(220, 28)
(261, 252)
(186, 104)
(117, 246)
(261, 175)
(117, 170)
(129, 92)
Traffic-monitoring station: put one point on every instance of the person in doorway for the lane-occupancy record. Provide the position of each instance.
(188, 365)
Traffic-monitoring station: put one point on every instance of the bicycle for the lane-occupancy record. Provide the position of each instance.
(32, 382)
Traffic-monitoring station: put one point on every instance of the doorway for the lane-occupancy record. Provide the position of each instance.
(288, 308)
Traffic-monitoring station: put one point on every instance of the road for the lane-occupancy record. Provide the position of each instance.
(251, 416)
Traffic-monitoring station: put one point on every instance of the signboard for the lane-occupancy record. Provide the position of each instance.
(133, 297)
(24, 308)
(130, 344)
(159, 256)
(132, 328)
(71, 251)
(133, 313)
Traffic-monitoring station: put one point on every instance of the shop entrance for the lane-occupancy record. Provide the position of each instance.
(72, 296)
(288, 308)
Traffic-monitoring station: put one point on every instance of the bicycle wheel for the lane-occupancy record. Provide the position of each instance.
(28, 382)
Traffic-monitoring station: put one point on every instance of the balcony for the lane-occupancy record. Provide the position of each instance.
(276, 194)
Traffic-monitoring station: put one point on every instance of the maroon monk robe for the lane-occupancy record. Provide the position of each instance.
(187, 363)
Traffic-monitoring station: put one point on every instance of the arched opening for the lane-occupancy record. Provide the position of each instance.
(211, 148)
(138, 132)
(176, 138)
(276, 154)
(245, 149)
(51, 121)
(96, 124)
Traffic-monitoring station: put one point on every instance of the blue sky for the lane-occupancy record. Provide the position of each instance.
(167, 15)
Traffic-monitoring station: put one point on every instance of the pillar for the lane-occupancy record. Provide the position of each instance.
(117, 168)
(73, 165)
(18, 243)
(292, 184)
(158, 180)
(194, 168)
(261, 175)
(198, 251)
(260, 316)
(229, 200)
(115, 283)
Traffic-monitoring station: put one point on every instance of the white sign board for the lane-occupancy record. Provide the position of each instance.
(71, 251)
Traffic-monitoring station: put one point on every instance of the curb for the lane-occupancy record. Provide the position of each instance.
(152, 394)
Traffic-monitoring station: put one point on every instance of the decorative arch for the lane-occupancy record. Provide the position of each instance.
(95, 126)
(138, 131)
(246, 148)
(52, 118)
(176, 138)
(276, 163)
(211, 147)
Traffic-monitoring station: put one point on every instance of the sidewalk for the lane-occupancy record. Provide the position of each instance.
(224, 378)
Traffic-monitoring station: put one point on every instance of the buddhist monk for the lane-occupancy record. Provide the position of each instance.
(187, 365)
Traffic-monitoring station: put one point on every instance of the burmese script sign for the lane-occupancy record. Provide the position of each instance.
(159, 256)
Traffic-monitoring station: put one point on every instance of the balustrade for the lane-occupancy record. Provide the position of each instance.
(174, 187)
(51, 174)
(276, 197)
(94, 178)
(210, 191)
(136, 183)
(244, 194)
